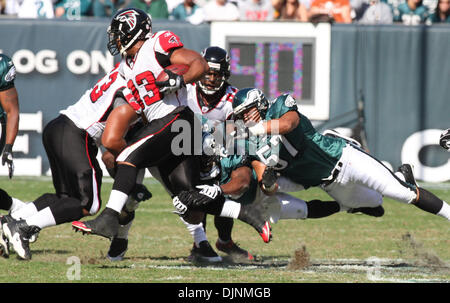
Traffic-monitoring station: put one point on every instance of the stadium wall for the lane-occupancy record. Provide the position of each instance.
(401, 73)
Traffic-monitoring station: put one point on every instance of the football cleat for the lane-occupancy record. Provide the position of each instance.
(370, 211)
(407, 171)
(235, 252)
(117, 249)
(106, 224)
(18, 233)
(253, 216)
(4, 242)
(266, 232)
(204, 253)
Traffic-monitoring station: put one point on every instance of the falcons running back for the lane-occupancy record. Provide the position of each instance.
(70, 144)
(144, 56)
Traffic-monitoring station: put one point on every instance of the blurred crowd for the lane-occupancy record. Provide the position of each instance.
(409, 12)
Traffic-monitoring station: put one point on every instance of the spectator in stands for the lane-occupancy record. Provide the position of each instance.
(338, 11)
(378, 12)
(441, 13)
(107, 8)
(411, 12)
(220, 10)
(156, 8)
(256, 10)
(188, 10)
(72, 9)
(30, 8)
(290, 10)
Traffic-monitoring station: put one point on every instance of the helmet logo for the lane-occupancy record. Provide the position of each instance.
(129, 17)
(254, 95)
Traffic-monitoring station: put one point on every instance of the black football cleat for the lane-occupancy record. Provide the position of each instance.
(407, 172)
(234, 251)
(105, 225)
(204, 253)
(18, 233)
(253, 216)
(4, 242)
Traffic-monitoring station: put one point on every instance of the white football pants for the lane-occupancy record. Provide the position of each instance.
(363, 181)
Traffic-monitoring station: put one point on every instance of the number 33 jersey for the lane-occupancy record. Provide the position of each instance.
(141, 73)
(92, 109)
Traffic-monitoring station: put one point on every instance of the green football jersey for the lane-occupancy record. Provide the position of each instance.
(7, 76)
(233, 162)
(303, 155)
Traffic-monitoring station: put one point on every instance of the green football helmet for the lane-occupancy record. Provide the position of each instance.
(247, 98)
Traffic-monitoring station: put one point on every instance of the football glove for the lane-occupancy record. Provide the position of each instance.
(180, 207)
(7, 158)
(174, 83)
(269, 178)
(140, 193)
(198, 199)
(444, 140)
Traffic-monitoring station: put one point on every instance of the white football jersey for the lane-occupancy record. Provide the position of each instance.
(221, 112)
(92, 109)
(142, 71)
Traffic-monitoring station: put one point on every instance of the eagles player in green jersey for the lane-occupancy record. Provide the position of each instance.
(9, 121)
(299, 153)
(9, 111)
(238, 183)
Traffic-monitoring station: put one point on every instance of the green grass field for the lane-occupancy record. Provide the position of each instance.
(405, 245)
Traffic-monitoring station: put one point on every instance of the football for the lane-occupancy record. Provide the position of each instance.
(193, 216)
(179, 69)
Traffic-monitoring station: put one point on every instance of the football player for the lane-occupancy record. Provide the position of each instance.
(304, 156)
(144, 56)
(212, 97)
(238, 183)
(71, 142)
(9, 111)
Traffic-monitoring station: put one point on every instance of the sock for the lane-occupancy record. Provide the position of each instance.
(42, 219)
(320, 209)
(445, 211)
(32, 208)
(230, 209)
(197, 232)
(16, 205)
(428, 202)
(117, 200)
(124, 183)
(24, 212)
(224, 227)
(66, 210)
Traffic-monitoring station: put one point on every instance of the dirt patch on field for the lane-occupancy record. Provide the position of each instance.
(300, 260)
(412, 249)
